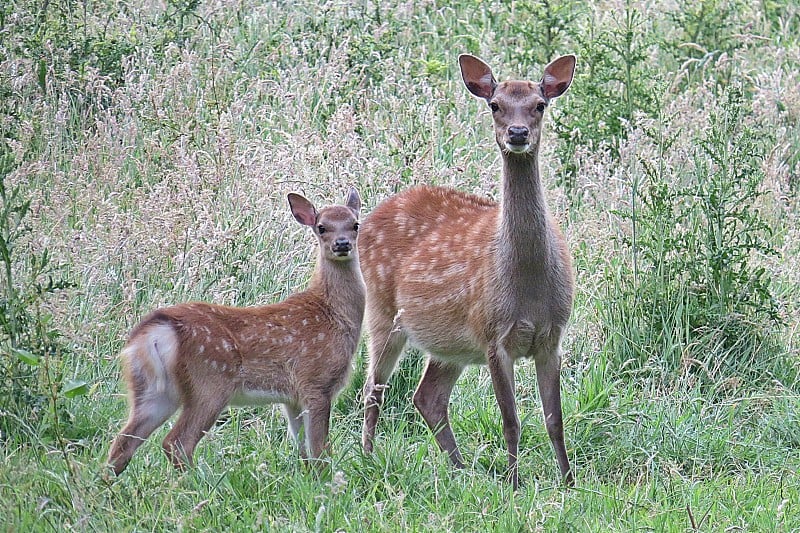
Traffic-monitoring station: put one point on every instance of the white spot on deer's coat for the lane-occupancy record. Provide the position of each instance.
(321, 336)
(226, 345)
(214, 365)
(201, 348)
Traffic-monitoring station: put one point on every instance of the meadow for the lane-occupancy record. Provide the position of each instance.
(146, 151)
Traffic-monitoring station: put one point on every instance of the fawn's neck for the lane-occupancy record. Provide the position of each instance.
(340, 284)
(524, 225)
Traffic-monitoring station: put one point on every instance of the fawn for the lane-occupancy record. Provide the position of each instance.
(204, 357)
(470, 281)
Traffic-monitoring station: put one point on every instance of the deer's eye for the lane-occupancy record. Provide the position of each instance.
(494, 107)
(321, 229)
(356, 226)
(540, 107)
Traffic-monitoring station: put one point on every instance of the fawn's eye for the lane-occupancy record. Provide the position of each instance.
(321, 229)
(356, 226)
(540, 107)
(494, 107)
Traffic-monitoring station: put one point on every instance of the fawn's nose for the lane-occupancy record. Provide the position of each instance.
(341, 246)
(518, 134)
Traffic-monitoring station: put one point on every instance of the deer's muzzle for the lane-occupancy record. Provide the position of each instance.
(342, 247)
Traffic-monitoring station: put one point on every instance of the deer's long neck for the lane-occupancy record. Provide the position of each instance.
(524, 233)
(341, 285)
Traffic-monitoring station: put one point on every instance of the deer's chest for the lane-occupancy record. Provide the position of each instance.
(525, 325)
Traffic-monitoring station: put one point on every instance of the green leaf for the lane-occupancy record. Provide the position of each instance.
(75, 387)
(41, 74)
(26, 357)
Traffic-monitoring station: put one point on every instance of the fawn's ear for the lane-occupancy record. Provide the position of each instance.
(558, 76)
(303, 210)
(477, 76)
(353, 200)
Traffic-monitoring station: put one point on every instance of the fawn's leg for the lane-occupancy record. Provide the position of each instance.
(432, 398)
(195, 420)
(147, 414)
(317, 418)
(294, 418)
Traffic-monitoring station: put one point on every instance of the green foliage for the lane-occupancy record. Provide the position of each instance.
(179, 22)
(147, 157)
(708, 30)
(700, 302)
(32, 363)
(58, 38)
(544, 28)
(615, 79)
(782, 20)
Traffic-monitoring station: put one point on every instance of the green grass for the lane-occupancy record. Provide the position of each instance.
(156, 146)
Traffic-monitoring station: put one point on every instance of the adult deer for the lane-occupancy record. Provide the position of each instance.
(204, 357)
(470, 281)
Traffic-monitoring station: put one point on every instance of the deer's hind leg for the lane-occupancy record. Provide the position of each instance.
(149, 410)
(196, 419)
(385, 345)
(432, 399)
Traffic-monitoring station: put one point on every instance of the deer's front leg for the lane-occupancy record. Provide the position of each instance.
(501, 368)
(548, 376)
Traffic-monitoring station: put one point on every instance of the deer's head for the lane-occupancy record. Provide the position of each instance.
(517, 106)
(336, 226)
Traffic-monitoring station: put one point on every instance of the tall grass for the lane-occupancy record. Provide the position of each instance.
(146, 153)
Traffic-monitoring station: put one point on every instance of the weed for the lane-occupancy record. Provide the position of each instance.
(32, 363)
(615, 79)
(701, 304)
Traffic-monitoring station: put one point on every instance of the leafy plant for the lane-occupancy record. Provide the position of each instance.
(706, 30)
(699, 300)
(549, 24)
(32, 374)
(615, 79)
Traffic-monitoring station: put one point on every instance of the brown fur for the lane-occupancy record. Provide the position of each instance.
(471, 281)
(203, 357)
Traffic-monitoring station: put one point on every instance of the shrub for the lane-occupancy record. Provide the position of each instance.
(699, 303)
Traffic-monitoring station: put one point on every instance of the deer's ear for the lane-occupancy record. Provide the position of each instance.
(477, 76)
(558, 76)
(303, 210)
(353, 200)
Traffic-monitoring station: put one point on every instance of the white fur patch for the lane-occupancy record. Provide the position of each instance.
(259, 397)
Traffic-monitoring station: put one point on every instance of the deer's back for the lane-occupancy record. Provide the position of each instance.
(275, 352)
(427, 253)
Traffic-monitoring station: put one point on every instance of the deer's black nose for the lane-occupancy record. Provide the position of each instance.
(518, 134)
(341, 245)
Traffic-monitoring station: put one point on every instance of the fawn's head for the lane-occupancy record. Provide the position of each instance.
(335, 226)
(517, 106)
